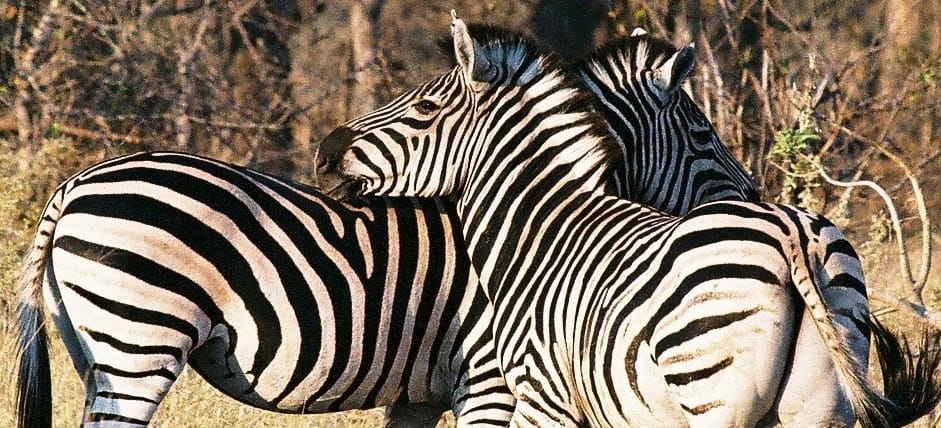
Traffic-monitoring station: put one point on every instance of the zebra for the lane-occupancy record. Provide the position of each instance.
(683, 162)
(610, 313)
(277, 295)
(433, 387)
(414, 403)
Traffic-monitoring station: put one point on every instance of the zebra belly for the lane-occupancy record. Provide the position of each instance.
(350, 391)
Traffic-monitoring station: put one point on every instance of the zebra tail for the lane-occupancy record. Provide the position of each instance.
(911, 384)
(912, 388)
(34, 389)
(871, 408)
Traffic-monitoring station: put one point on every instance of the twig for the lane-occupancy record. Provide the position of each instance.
(918, 283)
(246, 38)
(893, 215)
(158, 11)
(931, 317)
(8, 123)
(183, 126)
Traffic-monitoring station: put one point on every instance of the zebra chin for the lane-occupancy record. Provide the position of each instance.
(341, 187)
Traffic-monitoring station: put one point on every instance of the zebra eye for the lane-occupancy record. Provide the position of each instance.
(426, 106)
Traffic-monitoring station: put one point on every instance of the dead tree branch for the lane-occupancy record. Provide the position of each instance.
(364, 20)
(914, 303)
(24, 82)
(184, 130)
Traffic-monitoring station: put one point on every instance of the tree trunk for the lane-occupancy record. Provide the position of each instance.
(363, 96)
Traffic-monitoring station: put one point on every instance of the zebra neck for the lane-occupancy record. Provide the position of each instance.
(510, 218)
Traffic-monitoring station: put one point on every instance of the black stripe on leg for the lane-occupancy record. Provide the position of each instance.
(104, 368)
(120, 396)
(130, 348)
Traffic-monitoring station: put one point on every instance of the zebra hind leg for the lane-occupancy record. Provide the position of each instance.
(125, 390)
(812, 394)
(124, 381)
(725, 368)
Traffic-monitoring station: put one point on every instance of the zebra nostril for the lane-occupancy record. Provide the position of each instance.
(321, 161)
(332, 147)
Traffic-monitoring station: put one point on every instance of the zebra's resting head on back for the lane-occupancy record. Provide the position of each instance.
(607, 312)
(493, 65)
(673, 160)
(670, 157)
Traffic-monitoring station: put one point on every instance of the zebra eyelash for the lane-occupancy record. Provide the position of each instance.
(426, 106)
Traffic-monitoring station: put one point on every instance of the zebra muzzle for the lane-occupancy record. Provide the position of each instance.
(331, 150)
(329, 176)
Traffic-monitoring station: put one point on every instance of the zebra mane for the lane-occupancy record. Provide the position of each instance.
(631, 53)
(517, 50)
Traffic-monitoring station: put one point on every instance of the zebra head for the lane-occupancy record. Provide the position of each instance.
(430, 141)
(673, 159)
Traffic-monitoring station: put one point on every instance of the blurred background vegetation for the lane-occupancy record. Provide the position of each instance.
(791, 87)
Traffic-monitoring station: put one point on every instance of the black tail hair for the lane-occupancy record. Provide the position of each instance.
(910, 383)
(33, 394)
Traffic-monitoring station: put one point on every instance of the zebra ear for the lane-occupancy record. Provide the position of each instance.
(469, 53)
(672, 73)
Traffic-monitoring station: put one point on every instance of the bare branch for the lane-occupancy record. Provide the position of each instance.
(246, 38)
(8, 123)
(26, 69)
(364, 16)
(158, 11)
(896, 225)
(931, 317)
(183, 126)
(919, 281)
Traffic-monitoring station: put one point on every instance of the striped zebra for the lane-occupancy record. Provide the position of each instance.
(608, 312)
(279, 296)
(366, 248)
(684, 162)
(419, 232)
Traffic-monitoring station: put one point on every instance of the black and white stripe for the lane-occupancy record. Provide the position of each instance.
(407, 227)
(608, 312)
(277, 295)
(672, 159)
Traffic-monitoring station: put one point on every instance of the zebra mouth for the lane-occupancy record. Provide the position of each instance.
(341, 187)
(331, 175)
